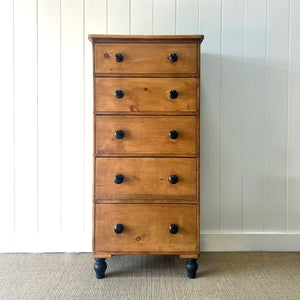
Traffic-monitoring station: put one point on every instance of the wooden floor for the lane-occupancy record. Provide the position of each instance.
(220, 276)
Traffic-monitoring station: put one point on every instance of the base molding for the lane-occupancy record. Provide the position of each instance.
(214, 242)
(39, 243)
(277, 242)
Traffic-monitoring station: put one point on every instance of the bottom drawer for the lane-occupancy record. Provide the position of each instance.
(145, 227)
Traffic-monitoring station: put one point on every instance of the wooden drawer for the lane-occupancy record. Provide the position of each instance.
(145, 227)
(146, 58)
(145, 178)
(144, 135)
(145, 94)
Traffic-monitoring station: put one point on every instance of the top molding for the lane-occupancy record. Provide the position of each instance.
(119, 38)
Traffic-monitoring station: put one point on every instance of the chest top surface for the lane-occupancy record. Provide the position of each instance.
(145, 38)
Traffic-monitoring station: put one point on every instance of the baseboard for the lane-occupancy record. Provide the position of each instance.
(209, 242)
(249, 242)
(59, 242)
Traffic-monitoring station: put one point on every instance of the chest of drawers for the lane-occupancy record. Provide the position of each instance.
(146, 147)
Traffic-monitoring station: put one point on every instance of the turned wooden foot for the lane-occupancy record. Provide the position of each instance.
(191, 267)
(100, 267)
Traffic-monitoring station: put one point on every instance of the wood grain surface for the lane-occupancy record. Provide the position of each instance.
(146, 227)
(145, 58)
(142, 38)
(145, 94)
(145, 201)
(145, 134)
(146, 178)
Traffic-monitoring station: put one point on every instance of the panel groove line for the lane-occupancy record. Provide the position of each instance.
(84, 114)
(96, 21)
(276, 138)
(210, 26)
(265, 117)
(294, 120)
(26, 116)
(14, 124)
(37, 119)
(48, 116)
(72, 123)
(242, 120)
(288, 117)
(220, 116)
(253, 118)
(231, 110)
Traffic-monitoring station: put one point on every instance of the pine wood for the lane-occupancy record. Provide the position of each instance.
(145, 95)
(146, 227)
(146, 153)
(146, 178)
(98, 38)
(145, 135)
(169, 200)
(147, 75)
(198, 152)
(145, 58)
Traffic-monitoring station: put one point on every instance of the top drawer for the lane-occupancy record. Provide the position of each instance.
(146, 58)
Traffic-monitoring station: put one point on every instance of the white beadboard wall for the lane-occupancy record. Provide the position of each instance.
(250, 117)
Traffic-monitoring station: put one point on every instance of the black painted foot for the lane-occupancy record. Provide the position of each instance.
(100, 267)
(191, 267)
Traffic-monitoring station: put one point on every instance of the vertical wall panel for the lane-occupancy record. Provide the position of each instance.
(231, 119)
(95, 22)
(276, 115)
(72, 115)
(141, 16)
(250, 74)
(119, 16)
(253, 143)
(26, 197)
(294, 120)
(210, 21)
(7, 118)
(187, 21)
(49, 115)
(164, 17)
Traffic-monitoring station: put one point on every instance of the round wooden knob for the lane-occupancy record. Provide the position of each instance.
(119, 57)
(119, 228)
(173, 228)
(173, 179)
(173, 94)
(119, 94)
(173, 134)
(118, 179)
(173, 57)
(119, 134)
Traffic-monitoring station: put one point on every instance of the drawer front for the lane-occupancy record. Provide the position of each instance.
(145, 58)
(145, 178)
(145, 135)
(145, 227)
(145, 94)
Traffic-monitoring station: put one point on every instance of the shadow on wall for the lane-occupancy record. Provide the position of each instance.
(243, 119)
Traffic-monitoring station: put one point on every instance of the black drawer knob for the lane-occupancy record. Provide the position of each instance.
(119, 134)
(173, 134)
(119, 228)
(173, 228)
(173, 94)
(119, 94)
(118, 179)
(173, 179)
(119, 57)
(173, 57)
